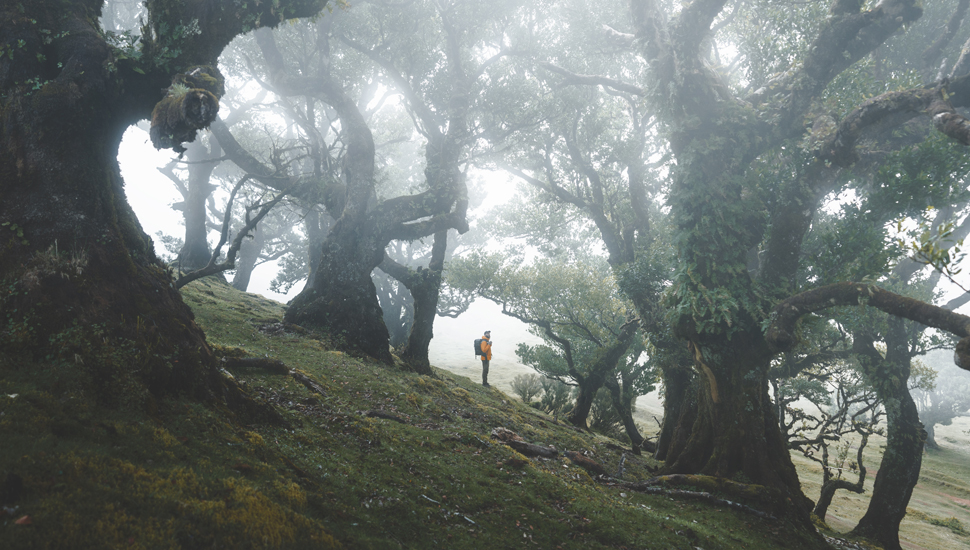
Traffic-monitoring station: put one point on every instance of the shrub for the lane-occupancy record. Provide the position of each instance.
(527, 386)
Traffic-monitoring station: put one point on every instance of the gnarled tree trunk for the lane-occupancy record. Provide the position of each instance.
(195, 251)
(342, 300)
(75, 262)
(735, 432)
(903, 458)
(425, 287)
(248, 256)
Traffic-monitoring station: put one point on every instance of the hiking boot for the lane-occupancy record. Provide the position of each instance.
(486, 384)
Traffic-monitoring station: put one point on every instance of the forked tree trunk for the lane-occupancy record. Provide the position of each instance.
(425, 290)
(342, 300)
(830, 485)
(603, 368)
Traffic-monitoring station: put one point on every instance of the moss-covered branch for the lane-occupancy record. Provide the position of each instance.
(781, 332)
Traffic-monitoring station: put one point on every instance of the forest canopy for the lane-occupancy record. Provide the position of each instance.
(746, 201)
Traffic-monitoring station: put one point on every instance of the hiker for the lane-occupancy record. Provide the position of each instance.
(486, 349)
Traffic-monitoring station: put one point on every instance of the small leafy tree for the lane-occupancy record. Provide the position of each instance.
(527, 386)
(556, 396)
(575, 307)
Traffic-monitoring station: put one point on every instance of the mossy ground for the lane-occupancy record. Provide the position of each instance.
(187, 475)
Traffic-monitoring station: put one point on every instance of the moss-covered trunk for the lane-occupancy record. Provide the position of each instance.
(735, 433)
(73, 258)
(82, 287)
(425, 288)
(342, 299)
(901, 462)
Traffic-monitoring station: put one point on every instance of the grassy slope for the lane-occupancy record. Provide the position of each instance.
(185, 475)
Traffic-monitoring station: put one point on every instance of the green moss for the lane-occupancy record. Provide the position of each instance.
(187, 475)
(952, 524)
(205, 77)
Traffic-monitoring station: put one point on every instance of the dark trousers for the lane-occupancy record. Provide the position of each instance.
(484, 371)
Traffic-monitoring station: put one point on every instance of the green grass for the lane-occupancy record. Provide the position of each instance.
(186, 475)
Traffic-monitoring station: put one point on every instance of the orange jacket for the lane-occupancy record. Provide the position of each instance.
(486, 349)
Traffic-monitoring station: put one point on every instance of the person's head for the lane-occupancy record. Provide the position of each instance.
(488, 334)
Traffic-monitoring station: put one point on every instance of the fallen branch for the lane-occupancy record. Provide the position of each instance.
(586, 463)
(310, 383)
(513, 440)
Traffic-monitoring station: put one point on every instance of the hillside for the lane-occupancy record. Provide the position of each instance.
(361, 456)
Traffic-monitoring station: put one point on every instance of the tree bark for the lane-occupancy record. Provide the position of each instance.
(316, 233)
(623, 400)
(248, 256)
(899, 470)
(195, 250)
(424, 286)
(680, 408)
(73, 253)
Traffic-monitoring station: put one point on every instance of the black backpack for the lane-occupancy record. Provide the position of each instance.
(478, 346)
